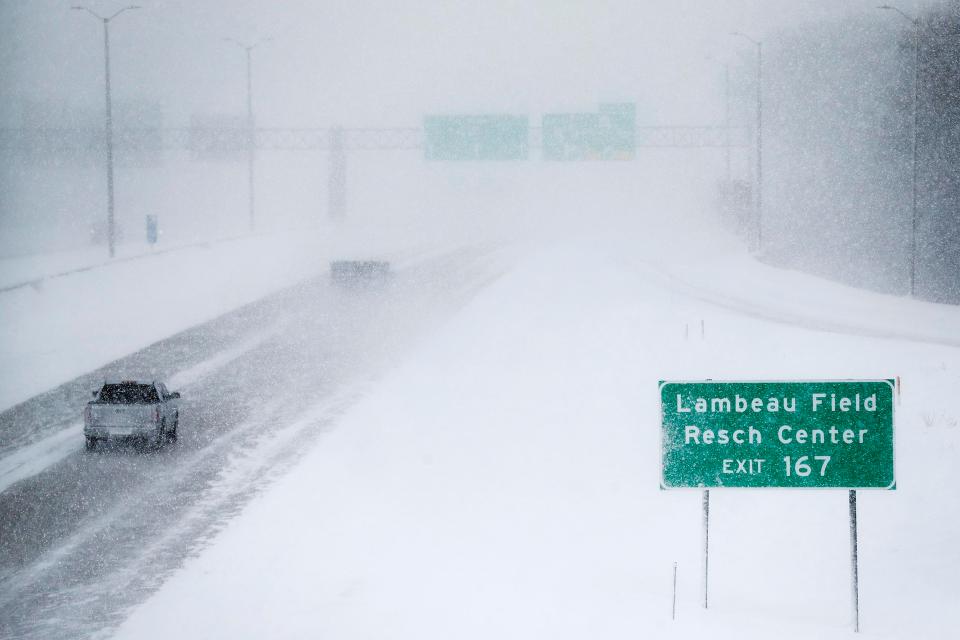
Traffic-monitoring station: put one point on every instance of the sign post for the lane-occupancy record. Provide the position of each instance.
(854, 562)
(337, 176)
(151, 229)
(817, 434)
(706, 546)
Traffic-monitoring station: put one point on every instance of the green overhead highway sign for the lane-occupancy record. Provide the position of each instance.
(810, 434)
(609, 134)
(570, 136)
(479, 137)
(618, 136)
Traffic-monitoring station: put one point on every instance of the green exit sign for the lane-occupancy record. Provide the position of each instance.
(477, 137)
(608, 134)
(809, 434)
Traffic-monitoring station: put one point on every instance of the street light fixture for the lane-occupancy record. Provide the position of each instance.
(111, 233)
(251, 142)
(759, 153)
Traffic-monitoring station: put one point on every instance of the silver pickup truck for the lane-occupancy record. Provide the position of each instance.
(143, 411)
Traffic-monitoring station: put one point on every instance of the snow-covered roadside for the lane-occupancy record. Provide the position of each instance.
(34, 269)
(78, 323)
(504, 483)
(738, 282)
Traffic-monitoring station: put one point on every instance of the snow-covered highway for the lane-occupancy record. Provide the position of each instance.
(85, 536)
(500, 478)
(482, 320)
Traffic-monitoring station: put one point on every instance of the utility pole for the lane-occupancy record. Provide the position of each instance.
(111, 227)
(251, 127)
(759, 151)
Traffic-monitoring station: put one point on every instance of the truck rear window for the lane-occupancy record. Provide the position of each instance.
(128, 393)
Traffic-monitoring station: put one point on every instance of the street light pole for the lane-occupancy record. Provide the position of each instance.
(759, 46)
(916, 129)
(251, 142)
(251, 130)
(916, 163)
(111, 233)
(916, 125)
(726, 117)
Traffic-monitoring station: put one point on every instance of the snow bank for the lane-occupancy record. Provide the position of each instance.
(504, 483)
(781, 295)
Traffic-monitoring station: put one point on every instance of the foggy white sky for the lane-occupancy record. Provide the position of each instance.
(377, 63)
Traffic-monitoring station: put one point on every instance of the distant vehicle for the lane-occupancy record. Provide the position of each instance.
(132, 410)
(359, 272)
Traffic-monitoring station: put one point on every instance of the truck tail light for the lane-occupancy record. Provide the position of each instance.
(156, 414)
(87, 414)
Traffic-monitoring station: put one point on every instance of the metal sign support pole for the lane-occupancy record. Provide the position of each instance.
(337, 176)
(854, 568)
(706, 545)
(673, 610)
(251, 143)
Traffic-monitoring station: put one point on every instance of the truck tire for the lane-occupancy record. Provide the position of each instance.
(91, 443)
(172, 434)
(160, 436)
